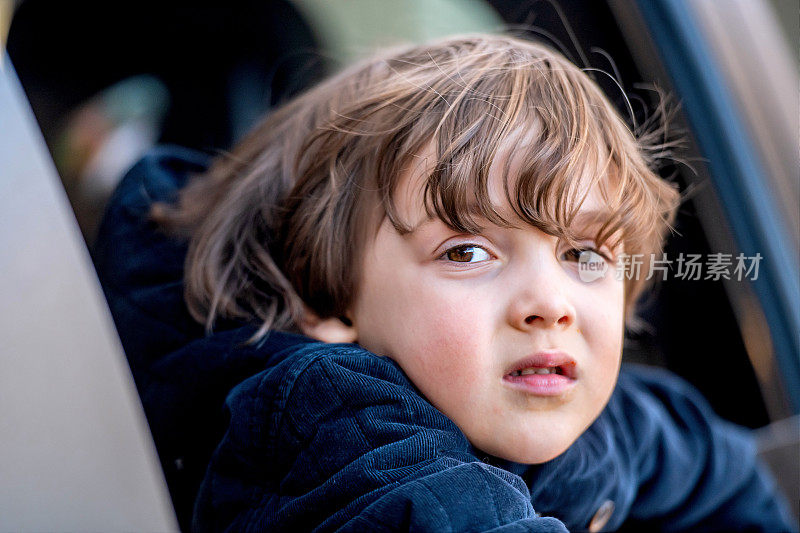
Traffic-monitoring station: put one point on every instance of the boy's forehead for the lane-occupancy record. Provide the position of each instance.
(505, 170)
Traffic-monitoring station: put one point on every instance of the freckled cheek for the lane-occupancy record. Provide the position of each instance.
(450, 350)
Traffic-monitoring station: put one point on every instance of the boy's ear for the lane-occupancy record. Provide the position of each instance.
(332, 330)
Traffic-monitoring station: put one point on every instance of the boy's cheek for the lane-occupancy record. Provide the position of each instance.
(444, 354)
(441, 342)
(443, 319)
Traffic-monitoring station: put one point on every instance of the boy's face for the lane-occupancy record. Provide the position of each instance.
(478, 321)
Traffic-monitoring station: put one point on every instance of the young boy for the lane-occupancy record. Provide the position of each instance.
(424, 214)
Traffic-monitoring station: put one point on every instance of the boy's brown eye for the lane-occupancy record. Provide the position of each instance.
(583, 255)
(468, 253)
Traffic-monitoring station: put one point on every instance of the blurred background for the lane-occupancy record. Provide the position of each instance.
(108, 80)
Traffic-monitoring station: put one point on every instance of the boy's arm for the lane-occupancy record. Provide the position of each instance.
(337, 438)
(696, 472)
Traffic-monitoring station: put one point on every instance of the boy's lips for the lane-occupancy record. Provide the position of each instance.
(545, 373)
(558, 362)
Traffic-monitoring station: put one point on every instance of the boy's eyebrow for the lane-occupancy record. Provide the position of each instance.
(472, 211)
(420, 223)
(587, 224)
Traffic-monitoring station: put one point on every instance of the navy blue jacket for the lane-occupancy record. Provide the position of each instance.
(293, 434)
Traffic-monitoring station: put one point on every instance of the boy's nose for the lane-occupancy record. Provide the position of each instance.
(541, 305)
(547, 319)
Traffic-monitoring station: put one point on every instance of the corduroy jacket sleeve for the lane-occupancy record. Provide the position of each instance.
(336, 438)
(696, 472)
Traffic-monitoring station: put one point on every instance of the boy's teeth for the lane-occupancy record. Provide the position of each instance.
(528, 371)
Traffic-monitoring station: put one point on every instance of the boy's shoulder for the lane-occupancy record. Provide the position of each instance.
(306, 384)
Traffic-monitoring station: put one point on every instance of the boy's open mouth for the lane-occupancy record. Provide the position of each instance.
(544, 363)
(541, 371)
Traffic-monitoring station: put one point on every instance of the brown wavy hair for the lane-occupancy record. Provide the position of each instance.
(280, 221)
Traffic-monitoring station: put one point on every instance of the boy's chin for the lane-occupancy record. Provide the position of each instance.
(534, 458)
(528, 455)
